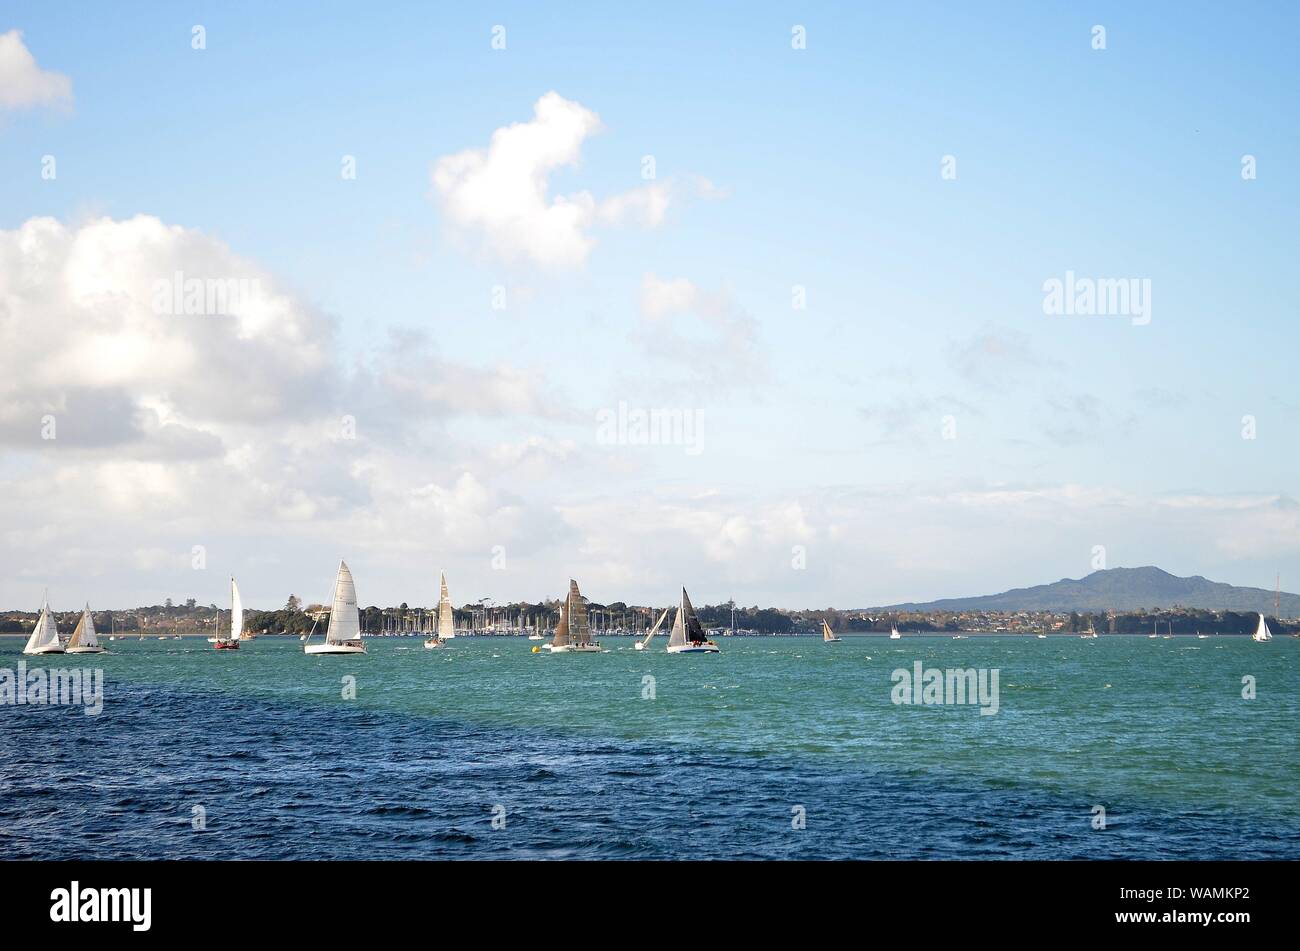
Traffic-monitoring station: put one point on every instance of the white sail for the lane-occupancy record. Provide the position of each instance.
(654, 630)
(345, 620)
(236, 612)
(1262, 632)
(678, 636)
(446, 618)
(46, 633)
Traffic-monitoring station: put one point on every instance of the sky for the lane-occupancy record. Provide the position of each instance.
(471, 250)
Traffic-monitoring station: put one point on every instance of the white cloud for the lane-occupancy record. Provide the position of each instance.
(224, 430)
(503, 194)
(82, 337)
(23, 84)
(681, 321)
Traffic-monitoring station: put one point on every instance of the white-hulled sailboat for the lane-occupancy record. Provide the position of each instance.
(231, 643)
(343, 636)
(573, 633)
(45, 636)
(537, 631)
(645, 641)
(893, 633)
(446, 620)
(1262, 632)
(827, 636)
(83, 640)
(688, 635)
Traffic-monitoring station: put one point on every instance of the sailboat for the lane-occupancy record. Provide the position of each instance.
(537, 631)
(1262, 632)
(893, 633)
(343, 636)
(573, 633)
(827, 636)
(45, 636)
(688, 634)
(231, 643)
(83, 640)
(645, 641)
(446, 620)
(1091, 631)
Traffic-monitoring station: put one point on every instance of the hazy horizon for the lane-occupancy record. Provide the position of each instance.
(442, 267)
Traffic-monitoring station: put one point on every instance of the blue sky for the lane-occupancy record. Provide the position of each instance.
(821, 426)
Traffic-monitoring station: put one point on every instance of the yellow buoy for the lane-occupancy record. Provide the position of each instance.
(537, 650)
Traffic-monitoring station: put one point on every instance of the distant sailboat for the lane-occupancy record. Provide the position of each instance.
(446, 621)
(645, 641)
(573, 633)
(688, 634)
(827, 636)
(1091, 631)
(45, 636)
(893, 633)
(83, 639)
(231, 643)
(343, 636)
(1262, 632)
(537, 632)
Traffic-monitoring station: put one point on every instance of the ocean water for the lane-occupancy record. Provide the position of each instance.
(580, 756)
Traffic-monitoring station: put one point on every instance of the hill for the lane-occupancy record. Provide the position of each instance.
(1121, 589)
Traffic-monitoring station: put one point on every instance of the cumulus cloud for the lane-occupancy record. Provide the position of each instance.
(90, 336)
(149, 404)
(502, 192)
(23, 84)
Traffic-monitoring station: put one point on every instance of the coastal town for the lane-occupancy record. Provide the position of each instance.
(190, 619)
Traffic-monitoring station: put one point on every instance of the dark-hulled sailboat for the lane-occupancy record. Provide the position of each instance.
(688, 635)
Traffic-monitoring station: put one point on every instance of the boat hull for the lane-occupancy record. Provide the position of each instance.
(85, 650)
(830, 640)
(328, 648)
(434, 645)
(577, 649)
(52, 649)
(225, 645)
(694, 649)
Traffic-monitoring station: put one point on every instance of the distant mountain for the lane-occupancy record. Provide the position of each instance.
(1123, 589)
